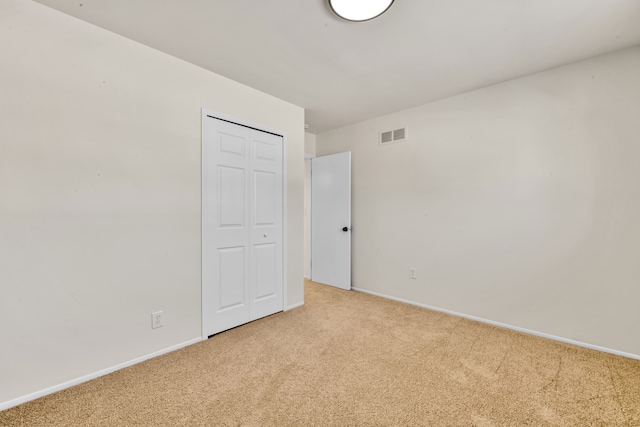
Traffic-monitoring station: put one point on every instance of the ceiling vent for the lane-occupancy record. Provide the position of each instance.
(391, 136)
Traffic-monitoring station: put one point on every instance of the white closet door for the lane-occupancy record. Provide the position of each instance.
(266, 225)
(242, 270)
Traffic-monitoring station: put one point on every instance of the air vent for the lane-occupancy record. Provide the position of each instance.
(391, 136)
(386, 137)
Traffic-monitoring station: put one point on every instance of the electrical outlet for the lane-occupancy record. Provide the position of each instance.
(412, 273)
(157, 319)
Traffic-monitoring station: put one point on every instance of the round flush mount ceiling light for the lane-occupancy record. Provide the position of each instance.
(359, 10)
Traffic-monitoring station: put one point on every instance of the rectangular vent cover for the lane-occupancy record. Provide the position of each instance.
(391, 136)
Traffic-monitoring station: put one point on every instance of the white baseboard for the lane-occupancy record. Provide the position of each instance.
(94, 375)
(307, 277)
(504, 325)
(291, 307)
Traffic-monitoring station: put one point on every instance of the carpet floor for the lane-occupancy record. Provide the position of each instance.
(352, 359)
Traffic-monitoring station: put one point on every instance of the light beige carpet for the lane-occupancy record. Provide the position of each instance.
(351, 359)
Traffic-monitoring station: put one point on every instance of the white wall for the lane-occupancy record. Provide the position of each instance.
(100, 196)
(309, 144)
(517, 203)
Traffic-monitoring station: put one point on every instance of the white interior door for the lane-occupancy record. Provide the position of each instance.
(266, 290)
(331, 220)
(242, 252)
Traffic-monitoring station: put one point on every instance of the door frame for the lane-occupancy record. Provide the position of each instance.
(308, 157)
(203, 187)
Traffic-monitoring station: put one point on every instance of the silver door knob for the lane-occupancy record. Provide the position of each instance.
(266, 235)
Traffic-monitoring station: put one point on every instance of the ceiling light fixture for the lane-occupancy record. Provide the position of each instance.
(359, 10)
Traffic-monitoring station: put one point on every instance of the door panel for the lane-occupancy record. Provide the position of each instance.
(225, 225)
(265, 151)
(330, 215)
(232, 262)
(265, 201)
(266, 277)
(266, 225)
(232, 144)
(231, 196)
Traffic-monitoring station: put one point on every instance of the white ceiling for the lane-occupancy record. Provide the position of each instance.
(343, 72)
